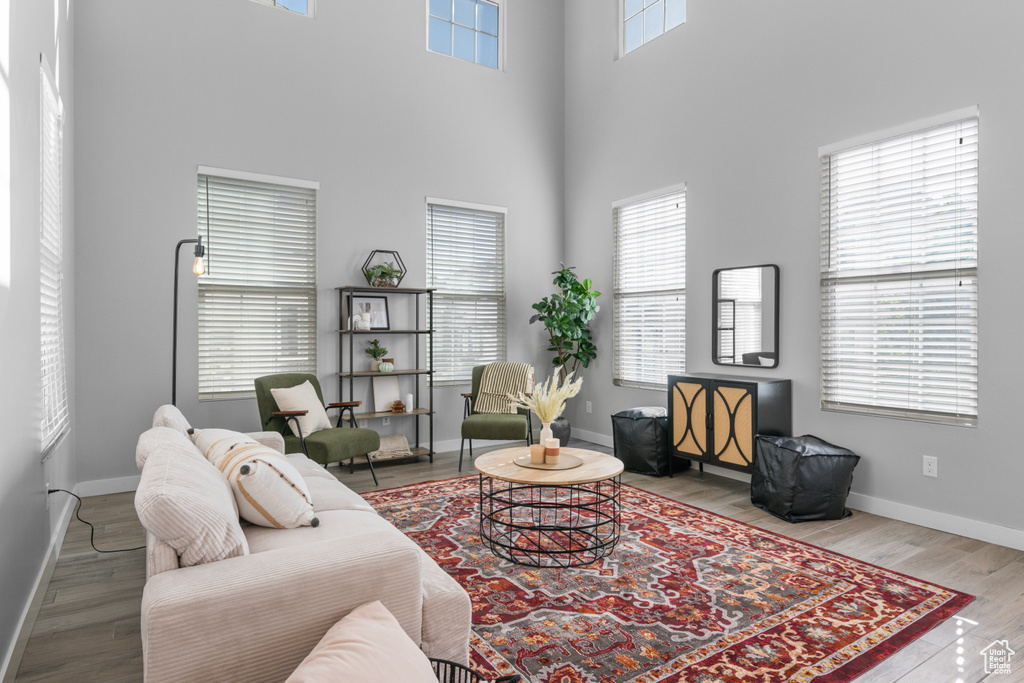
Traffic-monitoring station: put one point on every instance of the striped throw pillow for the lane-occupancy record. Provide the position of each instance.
(497, 382)
(268, 489)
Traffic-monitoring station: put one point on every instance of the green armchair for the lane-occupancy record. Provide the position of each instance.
(489, 426)
(325, 446)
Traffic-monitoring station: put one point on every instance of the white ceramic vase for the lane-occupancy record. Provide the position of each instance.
(545, 433)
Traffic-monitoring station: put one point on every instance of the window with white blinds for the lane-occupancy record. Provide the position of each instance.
(466, 264)
(257, 300)
(649, 338)
(899, 275)
(55, 418)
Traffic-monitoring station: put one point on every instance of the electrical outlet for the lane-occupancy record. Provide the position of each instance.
(590, 407)
(930, 465)
(387, 421)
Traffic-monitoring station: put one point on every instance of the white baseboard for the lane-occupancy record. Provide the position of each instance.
(961, 526)
(593, 437)
(453, 445)
(103, 487)
(16, 648)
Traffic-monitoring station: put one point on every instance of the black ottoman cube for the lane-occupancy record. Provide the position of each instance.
(802, 478)
(640, 436)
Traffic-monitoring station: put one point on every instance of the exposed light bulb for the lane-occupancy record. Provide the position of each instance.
(198, 267)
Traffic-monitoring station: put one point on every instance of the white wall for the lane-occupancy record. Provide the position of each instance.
(351, 99)
(26, 30)
(735, 103)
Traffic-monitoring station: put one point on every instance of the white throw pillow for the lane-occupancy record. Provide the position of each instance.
(367, 646)
(766, 361)
(268, 489)
(186, 503)
(303, 397)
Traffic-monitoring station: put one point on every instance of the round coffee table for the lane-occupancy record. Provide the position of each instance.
(549, 518)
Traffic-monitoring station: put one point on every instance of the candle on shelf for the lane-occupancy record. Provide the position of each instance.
(409, 405)
(537, 454)
(551, 451)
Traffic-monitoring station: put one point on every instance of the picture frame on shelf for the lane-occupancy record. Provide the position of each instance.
(385, 392)
(372, 308)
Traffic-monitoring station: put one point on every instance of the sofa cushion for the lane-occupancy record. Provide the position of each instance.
(336, 527)
(188, 504)
(269, 491)
(367, 646)
(307, 468)
(166, 438)
(302, 397)
(169, 416)
(331, 494)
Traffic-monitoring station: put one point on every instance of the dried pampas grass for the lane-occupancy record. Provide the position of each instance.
(548, 398)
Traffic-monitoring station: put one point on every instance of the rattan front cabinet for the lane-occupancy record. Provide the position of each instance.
(714, 419)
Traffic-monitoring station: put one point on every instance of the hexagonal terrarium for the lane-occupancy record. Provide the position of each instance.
(384, 268)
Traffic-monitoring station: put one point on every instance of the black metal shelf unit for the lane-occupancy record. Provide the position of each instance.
(346, 356)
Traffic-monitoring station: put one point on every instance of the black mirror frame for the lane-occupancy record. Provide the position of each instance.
(714, 315)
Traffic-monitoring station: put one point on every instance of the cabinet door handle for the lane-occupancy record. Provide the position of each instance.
(708, 422)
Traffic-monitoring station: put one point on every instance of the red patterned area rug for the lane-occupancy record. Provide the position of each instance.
(686, 596)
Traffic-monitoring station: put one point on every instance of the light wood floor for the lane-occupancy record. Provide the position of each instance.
(88, 626)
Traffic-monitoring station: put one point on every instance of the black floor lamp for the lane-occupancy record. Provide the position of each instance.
(198, 267)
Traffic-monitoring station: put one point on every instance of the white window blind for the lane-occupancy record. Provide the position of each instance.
(899, 276)
(466, 263)
(257, 301)
(739, 314)
(649, 336)
(55, 416)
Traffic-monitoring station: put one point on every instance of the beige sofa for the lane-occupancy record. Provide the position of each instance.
(254, 617)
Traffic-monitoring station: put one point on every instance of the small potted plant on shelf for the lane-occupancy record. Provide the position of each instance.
(375, 351)
(383, 275)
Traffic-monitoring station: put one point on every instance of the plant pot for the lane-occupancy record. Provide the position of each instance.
(561, 430)
(385, 282)
(374, 365)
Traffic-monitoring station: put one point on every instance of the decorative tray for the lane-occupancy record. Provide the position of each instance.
(565, 462)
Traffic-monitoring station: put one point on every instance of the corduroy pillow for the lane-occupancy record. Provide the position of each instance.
(367, 646)
(186, 503)
(268, 489)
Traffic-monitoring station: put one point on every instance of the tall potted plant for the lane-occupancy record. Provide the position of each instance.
(566, 315)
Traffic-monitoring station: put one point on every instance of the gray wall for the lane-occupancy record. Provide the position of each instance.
(736, 103)
(33, 28)
(351, 99)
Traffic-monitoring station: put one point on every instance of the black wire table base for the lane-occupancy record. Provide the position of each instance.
(550, 526)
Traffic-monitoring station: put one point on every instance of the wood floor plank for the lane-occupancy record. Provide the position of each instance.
(88, 627)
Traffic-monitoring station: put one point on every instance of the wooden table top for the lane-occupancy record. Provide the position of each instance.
(596, 467)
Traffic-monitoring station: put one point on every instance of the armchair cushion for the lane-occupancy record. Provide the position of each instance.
(492, 426)
(303, 397)
(335, 445)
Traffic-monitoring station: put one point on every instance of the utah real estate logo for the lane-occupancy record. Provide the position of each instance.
(997, 657)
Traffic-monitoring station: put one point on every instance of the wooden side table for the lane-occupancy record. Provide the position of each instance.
(550, 518)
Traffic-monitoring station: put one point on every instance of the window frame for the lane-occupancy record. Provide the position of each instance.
(915, 273)
(211, 249)
(55, 414)
(622, 28)
(501, 333)
(502, 22)
(618, 293)
(310, 8)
